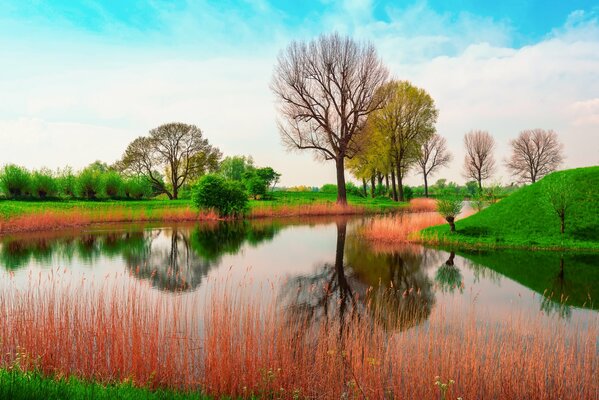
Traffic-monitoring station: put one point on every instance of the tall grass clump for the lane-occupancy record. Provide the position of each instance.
(231, 343)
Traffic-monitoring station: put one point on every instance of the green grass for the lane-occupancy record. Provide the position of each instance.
(525, 218)
(11, 208)
(20, 385)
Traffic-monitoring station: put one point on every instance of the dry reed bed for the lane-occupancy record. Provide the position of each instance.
(77, 218)
(238, 346)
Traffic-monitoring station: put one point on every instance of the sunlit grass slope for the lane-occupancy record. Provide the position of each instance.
(525, 218)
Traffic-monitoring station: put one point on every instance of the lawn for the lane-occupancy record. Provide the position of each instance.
(525, 218)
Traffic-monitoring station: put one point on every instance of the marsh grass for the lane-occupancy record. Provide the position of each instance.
(230, 342)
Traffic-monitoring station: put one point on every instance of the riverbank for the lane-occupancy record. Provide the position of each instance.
(30, 216)
(527, 220)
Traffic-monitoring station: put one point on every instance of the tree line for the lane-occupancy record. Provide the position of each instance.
(335, 98)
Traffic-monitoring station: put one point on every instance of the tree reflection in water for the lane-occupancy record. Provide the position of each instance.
(390, 289)
(448, 276)
(554, 300)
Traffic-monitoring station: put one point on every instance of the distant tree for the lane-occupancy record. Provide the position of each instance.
(67, 182)
(90, 182)
(113, 184)
(433, 155)
(535, 153)
(326, 89)
(43, 184)
(479, 163)
(449, 207)
(269, 175)
(179, 150)
(234, 168)
(560, 197)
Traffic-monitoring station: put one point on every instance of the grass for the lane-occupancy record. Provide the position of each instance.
(57, 324)
(23, 216)
(526, 220)
(31, 385)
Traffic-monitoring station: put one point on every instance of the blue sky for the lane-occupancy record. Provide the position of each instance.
(80, 79)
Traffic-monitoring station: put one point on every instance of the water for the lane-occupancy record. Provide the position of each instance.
(321, 268)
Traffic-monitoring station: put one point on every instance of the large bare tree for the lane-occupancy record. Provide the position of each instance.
(325, 90)
(479, 163)
(178, 150)
(535, 153)
(433, 155)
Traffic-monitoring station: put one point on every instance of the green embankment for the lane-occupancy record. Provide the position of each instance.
(12, 208)
(19, 385)
(525, 219)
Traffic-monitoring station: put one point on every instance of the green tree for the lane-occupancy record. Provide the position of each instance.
(560, 197)
(90, 182)
(449, 207)
(43, 184)
(15, 180)
(406, 120)
(234, 168)
(113, 184)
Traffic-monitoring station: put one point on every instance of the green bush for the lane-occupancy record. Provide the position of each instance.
(43, 184)
(90, 184)
(113, 184)
(328, 188)
(137, 187)
(66, 183)
(353, 190)
(15, 181)
(228, 198)
(381, 190)
(408, 193)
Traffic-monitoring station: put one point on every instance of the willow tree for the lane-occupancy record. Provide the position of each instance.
(407, 120)
(325, 90)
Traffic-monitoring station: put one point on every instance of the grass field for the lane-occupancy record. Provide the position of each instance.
(20, 385)
(525, 218)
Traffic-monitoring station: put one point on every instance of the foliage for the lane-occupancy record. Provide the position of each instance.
(408, 193)
(560, 196)
(15, 181)
(43, 184)
(257, 181)
(226, 197)
(137, 187)
(449, 207)
(328, 188)
(235, 167)
(353, 190)
(113, 184)
(525, 219)
(66, 183)
(90, 183)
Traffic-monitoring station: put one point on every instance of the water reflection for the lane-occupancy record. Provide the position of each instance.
(448, 276)
(392, 289)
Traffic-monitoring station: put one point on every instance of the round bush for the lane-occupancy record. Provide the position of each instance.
(228, 198)
(43, 184)
(15, 180)
(90, 184)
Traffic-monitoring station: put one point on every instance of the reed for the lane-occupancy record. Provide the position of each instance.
(229, 342)
(401, 228)
(312, 209)
(422, 204)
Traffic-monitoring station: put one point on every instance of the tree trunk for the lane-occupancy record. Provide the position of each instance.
(175, 193)
(425, 186)
(387, 182)
(341, 193)
(480, 182)
(450, 221)
(372, 186)
(400, 184)
(563, 223)
(364, 187)
(450, 259)
(393, 184)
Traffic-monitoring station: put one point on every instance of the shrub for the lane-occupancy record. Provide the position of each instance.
(328, 188)
(43, 184)
(15, 180)
(408, 193)
(381, 190)
(255, 185)
(66, 183)
(90, 183)
(353, 190)
(226, 197)
(113, 184)
(449, 208)
(137, 187)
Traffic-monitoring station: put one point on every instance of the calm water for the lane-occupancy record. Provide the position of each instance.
(321, 267)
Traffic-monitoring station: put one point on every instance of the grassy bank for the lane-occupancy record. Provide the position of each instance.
(30, 385)
(525, 218)
(22, 216)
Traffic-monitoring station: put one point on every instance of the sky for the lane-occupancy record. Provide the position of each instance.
(79, 80)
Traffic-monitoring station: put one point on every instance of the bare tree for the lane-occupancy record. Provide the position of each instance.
(433, 155)
(177, 150)
(479, 163)
(325, 90)
(535, 153)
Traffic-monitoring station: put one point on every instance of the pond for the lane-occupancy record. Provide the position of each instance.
(297, 256)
